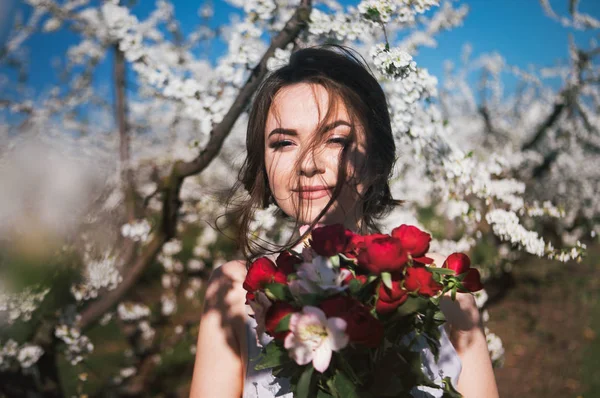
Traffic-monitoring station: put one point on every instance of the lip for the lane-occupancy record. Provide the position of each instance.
(314, 192)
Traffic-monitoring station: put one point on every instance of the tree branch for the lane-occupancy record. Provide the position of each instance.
(127, 182)
(543, 128)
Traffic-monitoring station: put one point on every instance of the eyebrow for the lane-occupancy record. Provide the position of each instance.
(293, 132)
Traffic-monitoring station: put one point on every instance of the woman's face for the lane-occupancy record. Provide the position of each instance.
(302, 176)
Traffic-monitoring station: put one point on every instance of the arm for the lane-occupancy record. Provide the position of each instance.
(218, 368)
(466, 333)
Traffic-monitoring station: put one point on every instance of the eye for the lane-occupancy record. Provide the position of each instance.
(280, 144)
(343, 141)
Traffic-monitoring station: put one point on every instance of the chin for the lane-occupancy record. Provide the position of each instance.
(332, 216)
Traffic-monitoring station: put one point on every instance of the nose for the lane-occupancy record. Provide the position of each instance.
(309, 165)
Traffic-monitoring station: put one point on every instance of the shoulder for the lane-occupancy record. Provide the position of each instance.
(234, 271)
(225, 286)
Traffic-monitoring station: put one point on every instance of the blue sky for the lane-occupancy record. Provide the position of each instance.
(517, 29)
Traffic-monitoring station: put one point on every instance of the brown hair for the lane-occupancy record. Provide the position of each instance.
(348, 80)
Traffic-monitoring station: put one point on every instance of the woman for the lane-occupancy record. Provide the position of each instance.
(320, 147)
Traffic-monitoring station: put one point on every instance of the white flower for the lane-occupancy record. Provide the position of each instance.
(98, 274)
(77, 345)
(481, 298)
(129, 311)
(168, 304)
(147, 331)
(495, 348)
(314, 337)
(52, 24)
(21, 305)
(280, 58)
(195, 265)
(376, 10)
(506, 225)
(318, 276)
(263, 219)
(172, 247)
(394, 63)
(138, 230)
(29, 354)
(127, 372)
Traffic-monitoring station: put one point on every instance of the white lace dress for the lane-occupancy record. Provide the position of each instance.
(262, 384)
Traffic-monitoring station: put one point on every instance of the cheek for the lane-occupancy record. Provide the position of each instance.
(354, 165)
(278, 171)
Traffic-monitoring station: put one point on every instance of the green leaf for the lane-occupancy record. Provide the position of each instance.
(335, 261)
(277, 291)
(443, 271)
(304, 387)
(272, 355)
(439, 316)
(310, 299)
(411, 305)
(346, 367)
(284, 324)
(354, 286)
(344, 386)
(449, 390)
(386, 278)
(347, 259)
(323, 394)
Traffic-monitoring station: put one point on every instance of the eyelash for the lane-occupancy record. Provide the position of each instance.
(344, 141)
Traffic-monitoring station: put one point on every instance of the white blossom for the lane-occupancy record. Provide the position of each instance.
(194, 264)
(98, 274)
(21, 305)
(280, 58)
(77, 345)
(393, 63)
(137, 231)
(130, 311)
(172, 247)
(506, 225)
(495, 348)
(127, 372)
(168, 304)
(29, 355)
(147, 331)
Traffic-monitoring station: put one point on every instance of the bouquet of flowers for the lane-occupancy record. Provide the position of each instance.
(345, 313)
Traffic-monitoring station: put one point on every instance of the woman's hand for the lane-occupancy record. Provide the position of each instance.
(466, 333)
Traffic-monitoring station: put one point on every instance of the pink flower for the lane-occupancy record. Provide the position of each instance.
(313, 337)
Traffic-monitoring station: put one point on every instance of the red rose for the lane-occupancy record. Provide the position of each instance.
(362, 327)
(472, 281)
(330, 240)
(419, 280)
(460, 263)
(261, 272)
(357, 242)
(415, 241)
(390, 299)
(286, 262)
(274, 315)
(382, 254)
